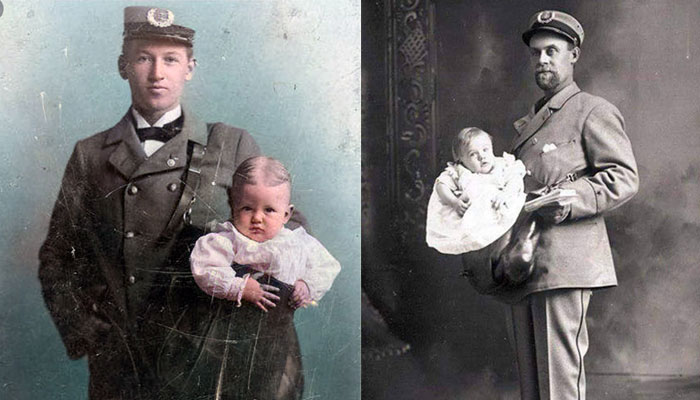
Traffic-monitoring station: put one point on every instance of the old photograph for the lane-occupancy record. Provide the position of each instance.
(530, 199)
(180, 200)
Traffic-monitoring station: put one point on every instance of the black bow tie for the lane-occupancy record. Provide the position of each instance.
(160, 134)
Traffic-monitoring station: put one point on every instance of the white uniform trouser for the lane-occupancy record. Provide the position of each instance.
(550, 339)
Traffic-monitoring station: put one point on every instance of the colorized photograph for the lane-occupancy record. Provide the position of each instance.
(181, 200)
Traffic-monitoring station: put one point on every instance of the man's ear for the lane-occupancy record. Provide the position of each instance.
(121, 65)
(288, 213)
(575, 53)
(190, 68)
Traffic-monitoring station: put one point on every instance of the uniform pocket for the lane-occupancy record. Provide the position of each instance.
(565, 157)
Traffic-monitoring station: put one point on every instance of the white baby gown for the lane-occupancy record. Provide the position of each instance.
(481, 224)
(291, 255)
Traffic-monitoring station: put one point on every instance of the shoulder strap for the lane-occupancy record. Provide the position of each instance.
(189, 194)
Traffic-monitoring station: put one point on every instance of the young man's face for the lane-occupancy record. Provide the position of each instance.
(157, 71)
(260, 211)
(553, 60)
(478, 156)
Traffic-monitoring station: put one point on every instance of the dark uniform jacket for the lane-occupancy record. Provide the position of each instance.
(576, 141)
(117, 284)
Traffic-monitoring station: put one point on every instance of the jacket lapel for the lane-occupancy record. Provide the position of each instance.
(173, 154)
(128, 154)
(531, 123)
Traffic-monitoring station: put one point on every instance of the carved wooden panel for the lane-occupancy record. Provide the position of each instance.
(412, 98)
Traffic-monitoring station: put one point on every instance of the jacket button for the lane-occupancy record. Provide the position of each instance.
(133, 189)
(172, 187)
(130, 234)
(170, 162)
(132, 279)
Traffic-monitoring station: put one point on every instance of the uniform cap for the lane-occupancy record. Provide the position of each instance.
(555, 21)
(154, 23)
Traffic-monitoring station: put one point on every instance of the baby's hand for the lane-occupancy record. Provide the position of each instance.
(260, 295)
(461, 205)
(301, 295)
(499, 201)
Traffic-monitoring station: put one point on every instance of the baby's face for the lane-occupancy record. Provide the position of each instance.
(478, 156)
(261, 211)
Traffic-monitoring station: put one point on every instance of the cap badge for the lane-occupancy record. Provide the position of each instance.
(160, 17)
(545, 17)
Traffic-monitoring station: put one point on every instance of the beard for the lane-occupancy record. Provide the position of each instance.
(547, 80)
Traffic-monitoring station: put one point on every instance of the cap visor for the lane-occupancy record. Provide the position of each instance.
(155, 36)
(529, 33)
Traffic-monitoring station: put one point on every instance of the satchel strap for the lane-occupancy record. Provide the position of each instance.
(570, 177)
(189, 194)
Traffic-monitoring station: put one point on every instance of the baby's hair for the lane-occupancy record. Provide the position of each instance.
(463, 138)
(263, 170)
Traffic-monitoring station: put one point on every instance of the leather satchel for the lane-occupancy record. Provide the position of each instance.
(507, 262)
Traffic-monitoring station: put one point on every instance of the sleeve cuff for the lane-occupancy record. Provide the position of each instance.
(586, 202)
(241, 287)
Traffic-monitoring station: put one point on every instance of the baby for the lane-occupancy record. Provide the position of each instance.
(259, 199)
(477, 198)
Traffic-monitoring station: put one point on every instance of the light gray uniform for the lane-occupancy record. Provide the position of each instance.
(591, 154)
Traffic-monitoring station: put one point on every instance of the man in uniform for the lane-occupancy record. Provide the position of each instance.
(571, 140)
(115, 264)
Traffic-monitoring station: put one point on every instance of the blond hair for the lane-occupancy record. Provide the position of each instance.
(263, 170)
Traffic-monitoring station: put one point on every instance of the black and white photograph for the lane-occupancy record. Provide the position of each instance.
(180, 199)
(530, 199)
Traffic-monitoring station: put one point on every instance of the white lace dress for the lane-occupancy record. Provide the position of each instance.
(481, 224)
(289, 256)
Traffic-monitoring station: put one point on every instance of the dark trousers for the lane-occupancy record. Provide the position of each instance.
(201, 348)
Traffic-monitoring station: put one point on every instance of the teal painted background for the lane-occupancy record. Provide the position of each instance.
(287, 71)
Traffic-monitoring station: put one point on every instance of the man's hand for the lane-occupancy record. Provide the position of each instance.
(93, 330)
(260, 295)
(554, 213)
(301, 295)
(98, 325)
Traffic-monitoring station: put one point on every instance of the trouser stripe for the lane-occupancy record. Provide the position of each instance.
(578, 348)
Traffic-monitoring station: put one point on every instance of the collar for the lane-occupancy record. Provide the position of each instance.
(558, 100)
(555, 103)
(167, 118)
(193, 129)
